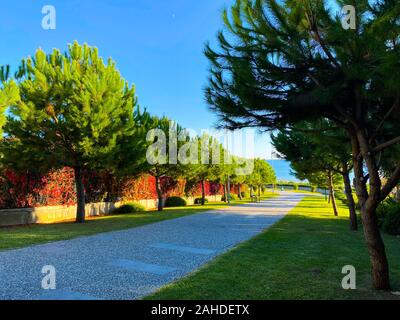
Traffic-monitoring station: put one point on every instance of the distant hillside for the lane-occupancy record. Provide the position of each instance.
(282, 170)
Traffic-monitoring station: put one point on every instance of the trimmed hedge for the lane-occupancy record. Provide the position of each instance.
(175, 202)
(129, 208)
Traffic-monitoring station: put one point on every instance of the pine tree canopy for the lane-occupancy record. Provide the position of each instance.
(309, 150)
(263, 174)
(280, 62)
(8, 96)
(163, 145)
(71, 110)
(310, 155)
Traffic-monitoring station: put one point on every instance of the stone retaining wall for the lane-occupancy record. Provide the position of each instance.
(52, 214)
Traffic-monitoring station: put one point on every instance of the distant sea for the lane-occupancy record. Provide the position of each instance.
(282, 170)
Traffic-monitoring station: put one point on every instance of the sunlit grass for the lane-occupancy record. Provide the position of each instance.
(300, 257)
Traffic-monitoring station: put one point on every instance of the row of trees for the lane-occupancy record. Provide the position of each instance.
(74, 110)
(290, 65)
(324, 160)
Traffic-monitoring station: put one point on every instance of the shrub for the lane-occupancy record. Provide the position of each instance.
(296, 187)
(129, 208)
(388, 214)
(198, 200)
(391, 223)
(244, 195)
(383, 210)
(175, 202)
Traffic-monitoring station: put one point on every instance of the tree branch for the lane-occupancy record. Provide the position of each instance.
(386, 144)
(379, 127)
(391, 183)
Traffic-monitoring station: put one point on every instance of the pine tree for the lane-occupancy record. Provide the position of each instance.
(262, 175)
(204, 170)
(164, 140)
(312, 156)
(72, 110)
(281, 62)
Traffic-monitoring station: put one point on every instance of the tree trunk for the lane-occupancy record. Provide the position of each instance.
(228, 187)
(239, 193)
(332, 193)
(159, 194)
(80, 195)
(350, 199)
(225, 193)
(369, 201)
(203, 193)
(259, 193)
(376, 248)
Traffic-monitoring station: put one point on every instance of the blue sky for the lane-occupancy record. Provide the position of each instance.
(157, 44)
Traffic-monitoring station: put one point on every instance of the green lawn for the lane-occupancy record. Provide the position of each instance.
(22, 236)
(300, 257)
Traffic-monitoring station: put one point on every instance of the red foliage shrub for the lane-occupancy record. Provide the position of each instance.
(173, 188)
(210, 189)
(30, 189)
(57, 187)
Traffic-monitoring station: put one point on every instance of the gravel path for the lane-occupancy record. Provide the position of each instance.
(132, 263)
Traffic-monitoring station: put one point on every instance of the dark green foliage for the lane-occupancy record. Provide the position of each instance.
(391, 224)
(388, 214)
(198, 200)
(279, 62)
(72, 109)
(312, 157)
(129, 208)
(383, 210)
(341, 196)
(4, 73)
(175, 202)
(160, 152)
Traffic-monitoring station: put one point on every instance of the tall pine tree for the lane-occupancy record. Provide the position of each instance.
(281, 62)
(71, 110)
